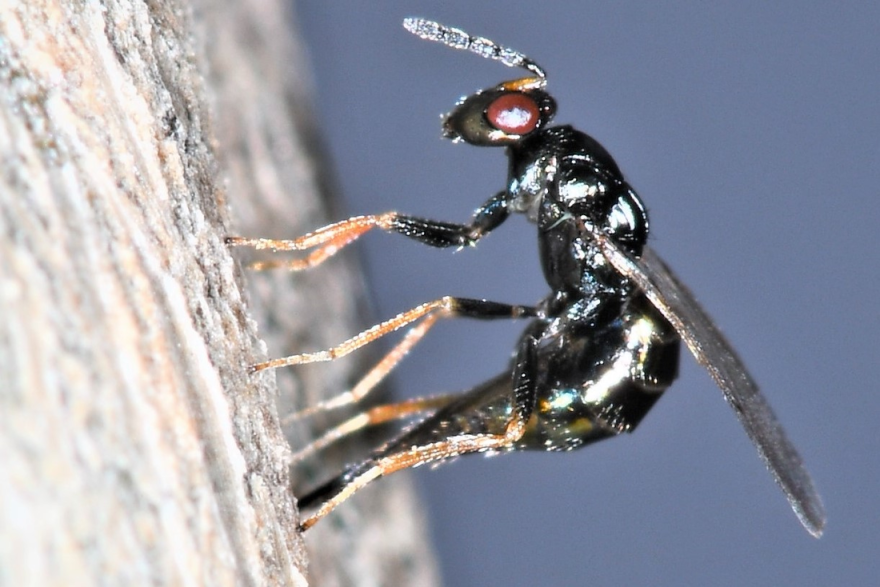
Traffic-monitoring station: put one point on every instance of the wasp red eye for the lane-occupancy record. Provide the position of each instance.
(514, 113)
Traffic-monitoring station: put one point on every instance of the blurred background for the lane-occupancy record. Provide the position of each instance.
(751, 130)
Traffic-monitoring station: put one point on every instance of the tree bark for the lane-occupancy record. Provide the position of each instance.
(134, 447)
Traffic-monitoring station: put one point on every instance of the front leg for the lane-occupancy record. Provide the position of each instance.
(327, 241)
(442, 234)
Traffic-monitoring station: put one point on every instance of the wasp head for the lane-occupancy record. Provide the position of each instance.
(501, 115)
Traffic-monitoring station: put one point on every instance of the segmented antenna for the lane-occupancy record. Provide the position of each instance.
(458, 39)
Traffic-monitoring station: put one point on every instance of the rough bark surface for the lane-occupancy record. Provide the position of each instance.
(135, 448)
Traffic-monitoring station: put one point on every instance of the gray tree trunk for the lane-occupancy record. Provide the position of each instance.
(134, 447)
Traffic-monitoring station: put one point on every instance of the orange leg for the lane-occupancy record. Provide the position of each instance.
(372, 417)
(328, 240)
(419, 455)
(374, 376)
(429, 313)
(443, 307)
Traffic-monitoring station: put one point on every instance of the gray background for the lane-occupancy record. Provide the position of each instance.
(751, 131)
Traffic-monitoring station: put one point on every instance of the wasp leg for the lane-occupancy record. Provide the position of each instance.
(372, 417)
(491, 417)
(374, 376)
(430, 312)
(445, 307)
(525, 365)
(357, 478)
(327, 241)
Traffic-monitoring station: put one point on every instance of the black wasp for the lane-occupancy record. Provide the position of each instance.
(599, 350)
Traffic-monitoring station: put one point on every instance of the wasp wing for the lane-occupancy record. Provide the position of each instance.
(712, 351)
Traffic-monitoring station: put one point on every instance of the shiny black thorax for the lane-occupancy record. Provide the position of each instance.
(599, 352)
(604, 354)
(561, 177)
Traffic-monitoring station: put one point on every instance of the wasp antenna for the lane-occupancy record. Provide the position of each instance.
(458, 39)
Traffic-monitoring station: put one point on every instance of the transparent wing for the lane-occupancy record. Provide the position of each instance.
(713, 352)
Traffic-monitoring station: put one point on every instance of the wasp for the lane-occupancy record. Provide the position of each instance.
(599, 350)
